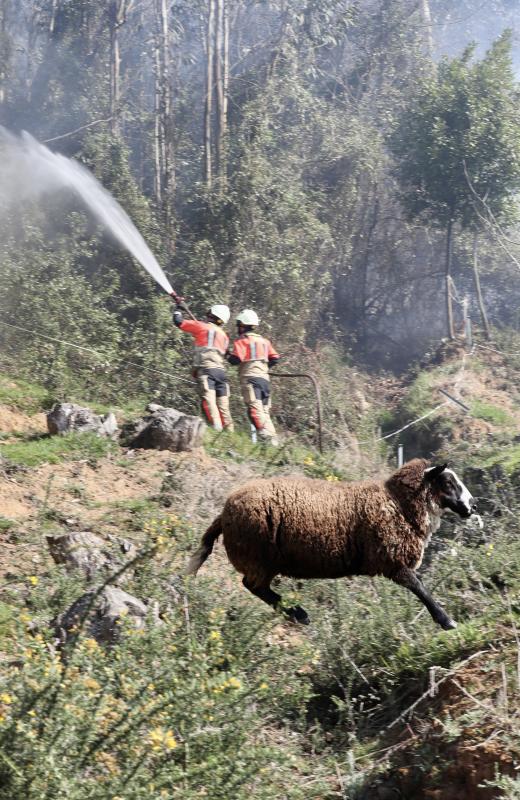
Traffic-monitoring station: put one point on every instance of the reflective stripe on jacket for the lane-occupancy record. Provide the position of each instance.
(254, 353)
(253, 347)
(210, 341)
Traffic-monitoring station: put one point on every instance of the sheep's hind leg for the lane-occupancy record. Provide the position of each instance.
(265, 593)
(407, 578)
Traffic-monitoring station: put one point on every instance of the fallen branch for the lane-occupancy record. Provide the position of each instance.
(433, 688)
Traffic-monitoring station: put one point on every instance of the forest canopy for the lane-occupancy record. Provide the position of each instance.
(294, 157)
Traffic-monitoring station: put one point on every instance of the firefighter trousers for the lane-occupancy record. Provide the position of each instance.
(257, 397)
(214, 395)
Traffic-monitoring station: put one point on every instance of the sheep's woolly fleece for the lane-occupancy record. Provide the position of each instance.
(307, 528)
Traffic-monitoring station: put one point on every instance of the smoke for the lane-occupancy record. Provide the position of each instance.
(457, 24)
(29, 172)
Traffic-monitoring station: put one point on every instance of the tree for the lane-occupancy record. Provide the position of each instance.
(460, 136)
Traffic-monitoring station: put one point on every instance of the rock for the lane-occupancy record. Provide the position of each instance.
(99, 614)
(66, 417)
(88, 553)
(164, 429)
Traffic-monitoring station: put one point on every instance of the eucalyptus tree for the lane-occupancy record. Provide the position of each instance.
(457, 141)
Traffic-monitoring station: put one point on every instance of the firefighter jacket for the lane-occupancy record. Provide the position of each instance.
(254, 355)
(210, 341)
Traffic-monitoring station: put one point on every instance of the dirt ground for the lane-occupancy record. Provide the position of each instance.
(96, 496)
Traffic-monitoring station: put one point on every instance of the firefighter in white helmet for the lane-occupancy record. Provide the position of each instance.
(254, 354)
(209, 366)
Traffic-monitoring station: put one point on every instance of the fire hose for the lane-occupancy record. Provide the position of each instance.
(316, 386)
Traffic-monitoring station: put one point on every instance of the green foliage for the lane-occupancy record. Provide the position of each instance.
(491, 413)
(220, 693)
(22, 395)
(171, 710)
(461, 126)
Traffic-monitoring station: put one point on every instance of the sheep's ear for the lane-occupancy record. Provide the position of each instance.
(433, 472)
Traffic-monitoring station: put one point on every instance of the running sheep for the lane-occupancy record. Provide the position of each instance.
(305, 528)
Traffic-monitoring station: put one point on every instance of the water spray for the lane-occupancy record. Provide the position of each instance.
(29, 171)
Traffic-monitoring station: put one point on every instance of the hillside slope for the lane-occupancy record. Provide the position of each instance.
(224, 698)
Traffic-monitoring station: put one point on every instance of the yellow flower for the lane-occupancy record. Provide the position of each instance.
(331, 478)
(155, 738)
(25, 618)
(91, 645)
(263, 686)
(214, 636)
(33, 580)
(6, 698)
(169, 740)
(159, 739)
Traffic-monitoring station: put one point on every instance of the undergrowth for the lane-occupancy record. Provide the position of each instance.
(222, 698)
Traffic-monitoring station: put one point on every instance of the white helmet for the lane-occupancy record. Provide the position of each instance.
(220, 312)
(248, 317)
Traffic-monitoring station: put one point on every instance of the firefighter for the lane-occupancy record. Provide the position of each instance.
(209, 366)
(253, 354)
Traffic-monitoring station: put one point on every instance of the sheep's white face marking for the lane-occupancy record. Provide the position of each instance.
(450, 492)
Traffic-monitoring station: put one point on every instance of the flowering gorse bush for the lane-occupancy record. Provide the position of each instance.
(177, 708)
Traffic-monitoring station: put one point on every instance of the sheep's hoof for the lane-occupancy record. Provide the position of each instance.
(447, 624)
(297, 614)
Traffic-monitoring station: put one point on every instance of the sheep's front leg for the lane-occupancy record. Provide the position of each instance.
(407, 578)
(265, 593)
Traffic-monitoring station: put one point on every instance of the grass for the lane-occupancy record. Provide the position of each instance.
(491, 413)
(23, 395)
(507, 456)
(239, 448)
(36, 450)
(6, 524)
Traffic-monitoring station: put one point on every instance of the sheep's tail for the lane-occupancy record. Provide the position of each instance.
(206, 546)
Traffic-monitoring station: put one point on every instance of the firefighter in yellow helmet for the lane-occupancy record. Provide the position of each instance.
(209, 366)
(254, 354)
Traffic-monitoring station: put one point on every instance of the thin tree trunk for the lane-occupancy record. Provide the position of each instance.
(449, 306)
(165, 127)
(52, 21)
(428, 27)
(4, 50)
(157, 143)
(116, 13)
(225, 93)
(219, 92)
(476, 277)
(208, 105)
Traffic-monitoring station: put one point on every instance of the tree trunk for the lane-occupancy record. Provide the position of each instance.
(480, 299)
(164, 126)
(449, 306)
(426, 16)
(208, 105)
(157, 133)
(4, 49)
(221, 87)
(116, 15)
(52, 21)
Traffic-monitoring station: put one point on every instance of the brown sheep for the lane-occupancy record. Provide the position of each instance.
(305, 528)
